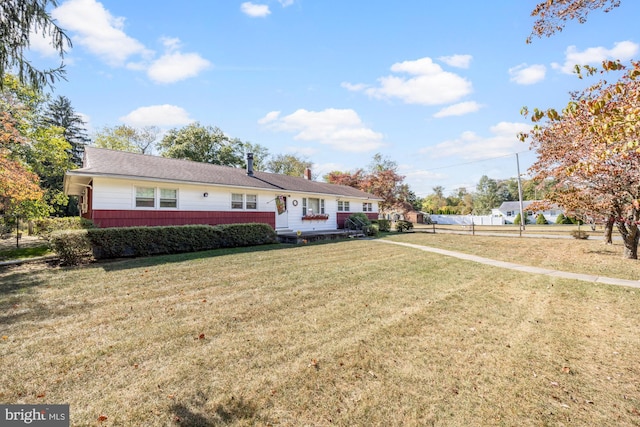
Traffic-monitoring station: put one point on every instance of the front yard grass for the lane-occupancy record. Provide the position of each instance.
(574, 255)
(346, 333)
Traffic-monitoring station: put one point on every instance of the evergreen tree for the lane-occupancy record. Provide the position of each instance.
(18, 19)
(60, 113)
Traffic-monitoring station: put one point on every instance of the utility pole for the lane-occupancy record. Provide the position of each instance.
(523, 216)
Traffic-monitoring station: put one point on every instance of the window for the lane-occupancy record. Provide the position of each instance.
(237, 201)
(145, 197)
(252, 201)
(311, 206)
(244, 201)
(367, 207)
(343, 206)
(168, 198)
(509, 213)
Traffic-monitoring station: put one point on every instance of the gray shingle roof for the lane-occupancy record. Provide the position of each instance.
(121, 164)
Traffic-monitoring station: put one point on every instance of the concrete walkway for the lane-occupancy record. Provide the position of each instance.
(519, 267)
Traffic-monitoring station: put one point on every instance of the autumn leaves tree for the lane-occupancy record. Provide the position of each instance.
(382, 180)
(592, 151)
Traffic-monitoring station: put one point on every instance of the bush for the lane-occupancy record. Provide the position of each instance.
(72, 246)
(105, 243)
(45, 226)
(540, 219)
(579, 234)
(403, 225)
(517, 219)
(360, 218)
(384, 225)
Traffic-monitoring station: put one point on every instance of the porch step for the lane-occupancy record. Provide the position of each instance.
(283, 230)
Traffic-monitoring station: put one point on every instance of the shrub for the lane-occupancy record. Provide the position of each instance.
(45, 226)
(104, 243)
(579, 234)
(72, 246)
(360, 218)
(540, 219)
(403, 225)
(384, 225)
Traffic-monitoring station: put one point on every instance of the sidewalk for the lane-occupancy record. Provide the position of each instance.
(519, 267)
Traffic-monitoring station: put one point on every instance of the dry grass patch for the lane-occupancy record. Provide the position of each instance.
(577, 256)
(349, 333)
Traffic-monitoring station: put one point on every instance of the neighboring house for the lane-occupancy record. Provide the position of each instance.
(121, 189)
(509, 210)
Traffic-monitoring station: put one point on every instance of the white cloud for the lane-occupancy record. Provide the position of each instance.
(270, 117)
(471, 146)
(622, 51)
(459, 61)
(103, 35)
(98, 31)
(175, 66)
(459, 109)
(429, 84)
(255, 10)
(157, 115)
(525, 74)
(286, 3)
(358, 87)
(342, 129)
(40, 43)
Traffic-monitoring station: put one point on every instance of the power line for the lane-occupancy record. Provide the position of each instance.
(475, 161)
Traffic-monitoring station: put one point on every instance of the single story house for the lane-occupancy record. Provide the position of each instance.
(122, 189)
(509, 210)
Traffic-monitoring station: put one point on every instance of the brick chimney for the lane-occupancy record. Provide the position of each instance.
(307, 174)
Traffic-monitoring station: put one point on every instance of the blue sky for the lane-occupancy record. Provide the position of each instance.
(435, 86)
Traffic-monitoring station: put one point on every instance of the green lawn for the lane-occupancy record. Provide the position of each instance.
(345, 333)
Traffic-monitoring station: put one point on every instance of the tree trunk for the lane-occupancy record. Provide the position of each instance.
(608, 231)
(631, 245)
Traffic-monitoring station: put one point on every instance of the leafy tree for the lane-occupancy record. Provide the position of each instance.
(591, 150)
(487, 196)
(60, 113)
(345, 178)
(434, 201)
(18, 18)
(127, 138)
(260, 155)
(382, 180)
(205, 144)
(288, 164)
(552, 15)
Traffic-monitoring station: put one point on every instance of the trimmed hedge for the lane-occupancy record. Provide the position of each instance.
(105, 243)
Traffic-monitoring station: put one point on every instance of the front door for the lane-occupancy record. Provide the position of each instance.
(282, 213)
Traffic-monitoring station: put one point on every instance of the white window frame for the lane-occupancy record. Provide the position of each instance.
(367, 207)
(343, 206)
(237, 203)
(171, 200)
(306, 206)
(244, 201)
(157, 200)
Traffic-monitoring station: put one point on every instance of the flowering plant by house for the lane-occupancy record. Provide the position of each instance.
(315, 217)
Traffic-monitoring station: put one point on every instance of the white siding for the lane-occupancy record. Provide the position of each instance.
(119, 194)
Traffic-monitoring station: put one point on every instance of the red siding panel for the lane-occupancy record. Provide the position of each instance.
(131, 218)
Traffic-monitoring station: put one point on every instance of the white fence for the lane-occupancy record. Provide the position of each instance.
(467, 219)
